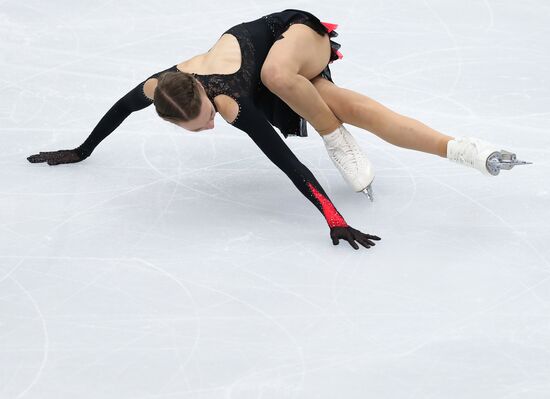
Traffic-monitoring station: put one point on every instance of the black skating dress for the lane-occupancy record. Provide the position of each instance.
(259, 109)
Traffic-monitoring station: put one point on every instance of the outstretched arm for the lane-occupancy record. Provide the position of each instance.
(132, 101)
(251, 121)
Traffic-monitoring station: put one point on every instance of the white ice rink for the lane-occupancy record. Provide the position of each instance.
(172, 264)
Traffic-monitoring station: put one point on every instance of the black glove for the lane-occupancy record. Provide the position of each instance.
(351, 235)
(57, 157)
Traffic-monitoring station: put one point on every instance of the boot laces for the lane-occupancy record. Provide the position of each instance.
(345, 154)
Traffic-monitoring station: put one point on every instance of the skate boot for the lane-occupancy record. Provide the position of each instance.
(350, 160)
(481, 155)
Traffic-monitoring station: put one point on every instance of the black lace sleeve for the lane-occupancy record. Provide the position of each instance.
(253, 123)
(134, 100)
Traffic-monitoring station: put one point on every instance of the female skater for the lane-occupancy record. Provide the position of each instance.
(273, 71)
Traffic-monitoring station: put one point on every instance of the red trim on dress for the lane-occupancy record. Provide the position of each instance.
(330, 26)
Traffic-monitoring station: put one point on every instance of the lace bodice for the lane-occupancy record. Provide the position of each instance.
(245, 82)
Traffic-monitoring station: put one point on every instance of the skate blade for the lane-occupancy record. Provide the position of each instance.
(368, 192)
(503, 160)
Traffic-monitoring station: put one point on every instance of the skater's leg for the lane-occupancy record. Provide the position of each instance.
(359, 110)
(290, 64)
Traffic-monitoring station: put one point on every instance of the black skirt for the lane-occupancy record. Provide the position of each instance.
(277, 111)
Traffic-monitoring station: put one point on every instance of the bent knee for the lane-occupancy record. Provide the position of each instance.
(276, 78)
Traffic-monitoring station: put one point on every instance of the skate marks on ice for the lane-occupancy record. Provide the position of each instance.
(103, 280)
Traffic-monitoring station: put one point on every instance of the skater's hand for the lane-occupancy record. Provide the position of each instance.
(351, 235)
(56, 157)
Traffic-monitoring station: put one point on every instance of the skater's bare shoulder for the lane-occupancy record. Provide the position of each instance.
(149, 88)
(227, 107)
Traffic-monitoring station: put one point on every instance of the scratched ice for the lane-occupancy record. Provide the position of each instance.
(179, 265)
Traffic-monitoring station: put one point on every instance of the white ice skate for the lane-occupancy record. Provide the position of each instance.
(481, 155)
(350, 160)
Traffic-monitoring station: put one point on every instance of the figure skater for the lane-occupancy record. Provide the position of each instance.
(273, 71)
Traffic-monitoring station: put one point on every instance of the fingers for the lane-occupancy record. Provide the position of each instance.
(57, 161)
(352, 235)
(373, 237)
(364, 239)
(55, 157)
(41, 157)
(35, 158)
(352, 242)
(364, 243)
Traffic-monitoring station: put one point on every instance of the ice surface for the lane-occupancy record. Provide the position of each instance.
(180, 265)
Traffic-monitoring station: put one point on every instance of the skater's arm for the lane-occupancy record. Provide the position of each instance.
(134, 100)
(272, 145)
(262, 133)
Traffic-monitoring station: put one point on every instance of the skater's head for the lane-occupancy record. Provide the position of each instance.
(181, 100)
